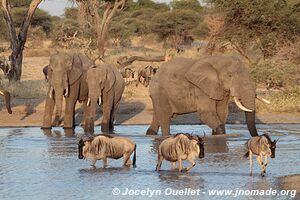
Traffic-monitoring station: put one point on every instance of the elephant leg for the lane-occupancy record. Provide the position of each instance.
(209, 116)
(49, 107)
(85, 112)
(153, 129)
(164, 114)
(70, 106)
(222, 111)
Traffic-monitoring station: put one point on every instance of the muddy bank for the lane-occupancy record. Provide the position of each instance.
(131, 112)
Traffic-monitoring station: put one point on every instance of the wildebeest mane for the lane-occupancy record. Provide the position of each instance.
(268, 138)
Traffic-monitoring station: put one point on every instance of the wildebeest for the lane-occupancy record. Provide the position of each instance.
(104, 146)
(262, 146)
(146, 73)
(4, 66)
(127, 73)
(45, 72)
(178, 148)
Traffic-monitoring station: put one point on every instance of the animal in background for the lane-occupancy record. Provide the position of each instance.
(145, 74)
(178, 148)
(102, 147)
(263, 147)
(127, 74)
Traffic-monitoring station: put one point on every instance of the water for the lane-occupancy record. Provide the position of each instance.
(39, 165)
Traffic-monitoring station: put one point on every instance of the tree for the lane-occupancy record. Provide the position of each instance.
(186, 4)
(262, 24)
(89, 12)
(17, 37)
(175, 26)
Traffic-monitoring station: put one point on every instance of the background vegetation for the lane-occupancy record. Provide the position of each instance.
(265, 33)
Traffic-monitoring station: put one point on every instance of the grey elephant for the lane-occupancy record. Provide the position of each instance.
(67, 78)
(204, 86)
(106, 86)
(7, 100)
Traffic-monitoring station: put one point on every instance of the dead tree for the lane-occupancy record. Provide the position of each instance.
(89, 10)
(17, 39)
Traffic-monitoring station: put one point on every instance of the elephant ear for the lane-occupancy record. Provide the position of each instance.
(205, 77)
(110, 79)
(76, 70)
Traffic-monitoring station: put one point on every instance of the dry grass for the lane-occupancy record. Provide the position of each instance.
(280, 102)
(28, 89)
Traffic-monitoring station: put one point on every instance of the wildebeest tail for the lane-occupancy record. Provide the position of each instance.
(134, 156)
(247, 154)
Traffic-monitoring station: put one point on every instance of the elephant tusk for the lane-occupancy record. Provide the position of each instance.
(88, 102)
(100, 100)
(263, 100)
(1, 93)
(239, 104)
(51, 92)
(66, 92)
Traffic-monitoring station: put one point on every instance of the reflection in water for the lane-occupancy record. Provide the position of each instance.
(44, 164)
(216, 145)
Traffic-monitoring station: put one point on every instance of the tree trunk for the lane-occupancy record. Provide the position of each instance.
(17, 41)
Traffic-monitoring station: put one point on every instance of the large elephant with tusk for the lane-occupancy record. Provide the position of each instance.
(67, 78)
(6, 95)
(106, 86)
(204, 86)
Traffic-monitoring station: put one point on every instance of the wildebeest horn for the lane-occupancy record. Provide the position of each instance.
(240, 105)
(88, 102)
(263, 100)
(51, 92)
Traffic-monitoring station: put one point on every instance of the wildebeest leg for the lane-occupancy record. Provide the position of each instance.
(261, 164)
(173, 165)
(180, 165)
(192, 161)
(93, 163)
(265, 164)
(126, 161)
(250, 159)
(104, 161)
(159, 162)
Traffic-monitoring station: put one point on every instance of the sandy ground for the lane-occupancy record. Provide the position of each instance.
(135, 108)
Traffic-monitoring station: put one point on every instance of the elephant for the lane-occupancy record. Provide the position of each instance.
(67, 77)
(146, 73)
(205, 86)
(45, 72)
(106, 86)
(6, 95)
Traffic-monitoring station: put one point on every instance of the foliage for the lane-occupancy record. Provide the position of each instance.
(186, 4)
(71, 13)
(176, 25)
(274, 74)
(40, 18)
(268, 24)
(120, 34)
(19, 3)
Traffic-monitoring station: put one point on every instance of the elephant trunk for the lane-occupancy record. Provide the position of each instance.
(58, 104)
(248, 100)
(7, 101)
(89, 121)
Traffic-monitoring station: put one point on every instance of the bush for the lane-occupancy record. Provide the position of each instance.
(273, 74)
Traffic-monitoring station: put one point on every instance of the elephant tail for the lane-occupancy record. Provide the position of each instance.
(134, 157)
